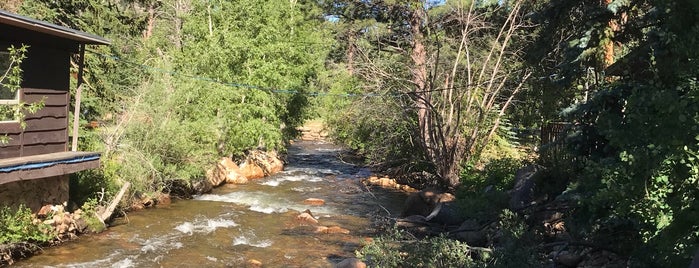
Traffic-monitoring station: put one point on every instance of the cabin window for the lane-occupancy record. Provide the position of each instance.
(8, 98)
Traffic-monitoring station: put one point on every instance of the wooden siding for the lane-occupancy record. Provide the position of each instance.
(46, 131)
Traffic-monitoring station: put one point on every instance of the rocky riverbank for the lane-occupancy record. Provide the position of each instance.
(542, 224)
(53, 221)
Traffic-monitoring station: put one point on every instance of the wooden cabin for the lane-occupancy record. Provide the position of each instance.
(35, 162)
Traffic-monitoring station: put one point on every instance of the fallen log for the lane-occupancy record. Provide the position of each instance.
(104, 216)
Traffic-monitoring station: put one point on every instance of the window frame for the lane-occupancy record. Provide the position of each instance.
(15, 100)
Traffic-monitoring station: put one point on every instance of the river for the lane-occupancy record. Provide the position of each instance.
(237, 225)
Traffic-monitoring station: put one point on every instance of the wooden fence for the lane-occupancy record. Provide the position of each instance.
(552, 149)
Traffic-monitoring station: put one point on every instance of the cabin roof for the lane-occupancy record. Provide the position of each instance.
(51, 29)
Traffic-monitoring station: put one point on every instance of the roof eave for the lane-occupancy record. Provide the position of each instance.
(51, 29)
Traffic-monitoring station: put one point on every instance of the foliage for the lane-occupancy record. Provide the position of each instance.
(18, 226)
(637, 138)
(377, 129)
(400, 249)
(185, 83)
(89, 209)
(397, 248)
(484, 193)
(10, 83)
(450, 89)
(90, 184)
(504, 144)
(517, 244)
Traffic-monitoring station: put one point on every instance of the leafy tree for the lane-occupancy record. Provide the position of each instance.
(636, 135)
(453, 72)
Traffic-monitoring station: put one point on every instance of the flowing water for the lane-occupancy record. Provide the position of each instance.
(237, 224)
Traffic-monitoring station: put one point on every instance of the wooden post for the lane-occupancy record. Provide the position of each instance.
(78, 91)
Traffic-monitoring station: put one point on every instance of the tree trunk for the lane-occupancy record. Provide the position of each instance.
(351, 39)
(419, 75)
(608, 45)
(150, 24)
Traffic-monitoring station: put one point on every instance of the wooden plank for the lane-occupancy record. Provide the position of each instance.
(14, 140)
(43, 91)
(9, 152)
(48, 123)
(54, 111)
(45, 158)
(49, 100)
(10, 128)
(30, 150)
(55, 170)
(44, 137)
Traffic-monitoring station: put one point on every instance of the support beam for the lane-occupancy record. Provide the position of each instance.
(78, 93)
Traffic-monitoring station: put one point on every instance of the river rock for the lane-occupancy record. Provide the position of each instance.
(272, 164)
(307, 217)
(337, 230)
(568, 259)
(163, 200)
(234, 177)
(425, 201)
(321, 229)
(254, 263)
(202, 186)
(351, 263)
(260, 163)
(250, 170)
(383, 182)
(225, 171)
(412, 221)
(448, 214)
(217, 175)
(81, 225)
(314, 201)
(44, 211)
(330, 230)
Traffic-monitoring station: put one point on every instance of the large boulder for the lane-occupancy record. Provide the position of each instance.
(272, 164)
(470, 232)
(522, 194)
(436, 206)
(306, 217)
(420, 203)
(448, 214)
(351, 263)
(260, 163)
(251, 170)
(425, 201)
(225, 171)
(200, 187)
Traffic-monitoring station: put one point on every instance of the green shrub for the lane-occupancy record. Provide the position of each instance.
(89, 209)
(400, 249)
(484, 193)
(18, 226)
(516, 246)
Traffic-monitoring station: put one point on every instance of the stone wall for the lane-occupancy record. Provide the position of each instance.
(35, 193)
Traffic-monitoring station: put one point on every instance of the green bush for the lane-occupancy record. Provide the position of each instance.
(377, 128)
(484, 193)
(517, 246)
(18, 226)
(400, 249)
(89, 209)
